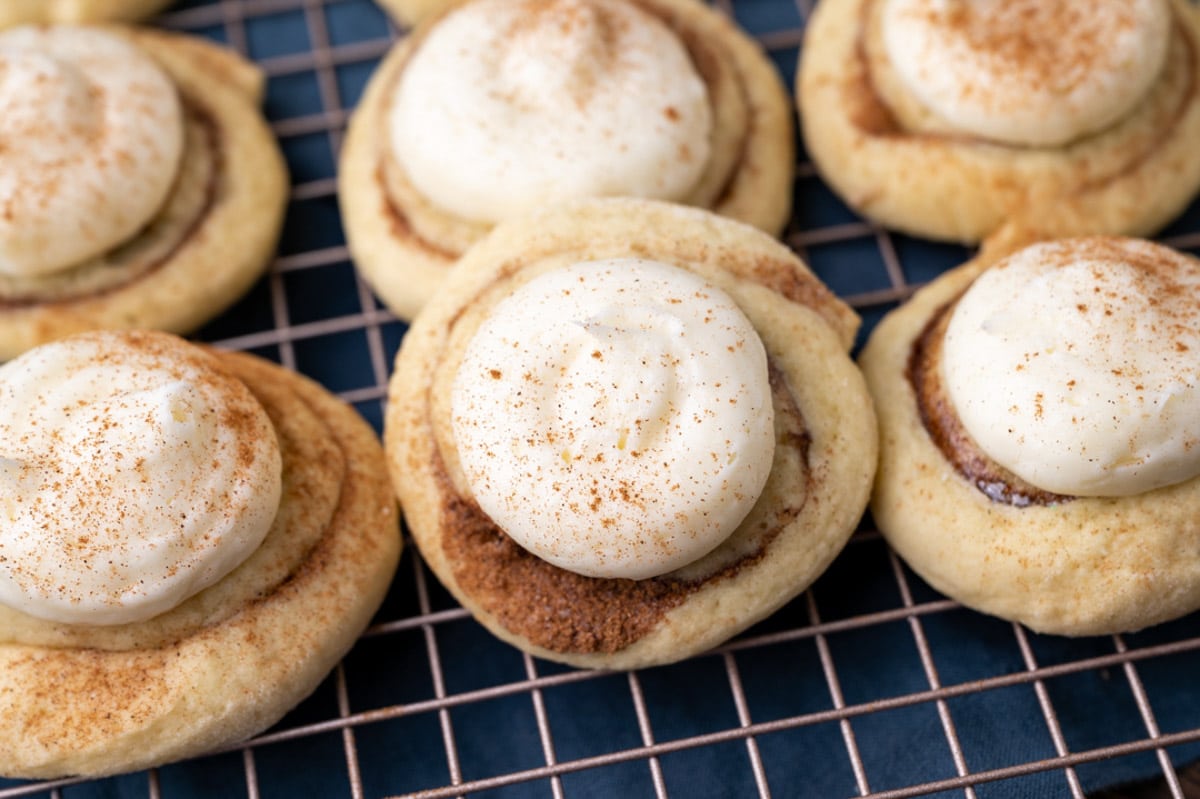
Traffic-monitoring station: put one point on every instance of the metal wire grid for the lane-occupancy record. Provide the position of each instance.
(311, 313)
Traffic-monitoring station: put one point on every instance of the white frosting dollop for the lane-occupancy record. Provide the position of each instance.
(507, 105)
(1027, 72)
(133, 474)
(614, 417)
(1076, 365)
(92, 133)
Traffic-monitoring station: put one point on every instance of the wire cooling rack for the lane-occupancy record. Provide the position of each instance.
(869, 684)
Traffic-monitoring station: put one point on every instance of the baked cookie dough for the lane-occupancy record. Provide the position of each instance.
(498, 107)
(193, 539)
(1039, 448)
(411, 12)
(952, 120)
(142, 187)
(21, 12)
(593, 381)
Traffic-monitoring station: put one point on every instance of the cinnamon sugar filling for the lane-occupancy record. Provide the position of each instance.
(562, 611)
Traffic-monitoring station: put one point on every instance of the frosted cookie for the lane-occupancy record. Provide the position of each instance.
(951, 120)
(192, 540)
(21, 12)
(141, 186)
(498, 107)
(1040, 447)
(623, 431)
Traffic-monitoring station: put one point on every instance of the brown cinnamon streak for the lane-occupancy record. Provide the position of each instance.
(562, 611)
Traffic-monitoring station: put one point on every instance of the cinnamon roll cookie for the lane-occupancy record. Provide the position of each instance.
(20, 12)
(1040, 434)
(192, 539)
(501, 106)
(952, 119)
(139, 183)
(623, 431)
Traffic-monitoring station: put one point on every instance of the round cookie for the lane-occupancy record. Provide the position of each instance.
(226, 663)
(982, 533)
(896, 156)
(211, 238)
(22, 12)
(403, 240)
(815, 491)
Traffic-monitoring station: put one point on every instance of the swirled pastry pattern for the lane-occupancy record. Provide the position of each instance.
(1098, 409)
(133, 477)
(819, 446)
(495, 107)
(93, 135)
(92, 698)
(960, 120)
(160, 227)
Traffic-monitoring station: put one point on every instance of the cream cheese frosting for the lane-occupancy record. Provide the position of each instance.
(133, 474)
(92, 134)
(614, 417)
(1076, 365)
(1027, 72)
(506, 105)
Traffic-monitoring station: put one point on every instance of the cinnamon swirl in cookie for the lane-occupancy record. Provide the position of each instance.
(22, 12)
(140, 185)
(498, 107)
(622, 431)
(953, 119)
(192, 539)
(1040, 434)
